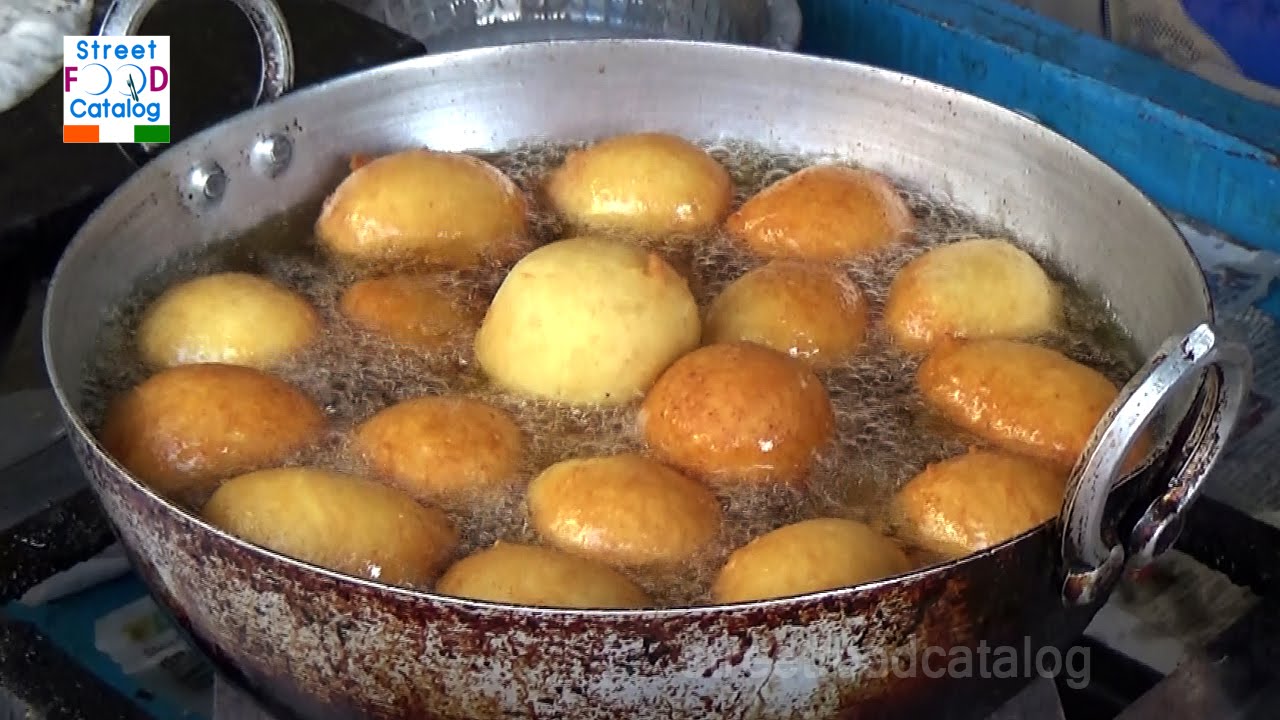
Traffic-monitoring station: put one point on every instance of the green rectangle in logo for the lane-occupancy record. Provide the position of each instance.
(151, 133)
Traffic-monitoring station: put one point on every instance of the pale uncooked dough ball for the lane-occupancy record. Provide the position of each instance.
(975, 289)
(337, 521)
(623, 510)
(587, 321)
(1024, 398)
(416, 310)
(973, 501)
(738, 412)
(807, 557)
(426, 207)
(810, 311)
(517, 574)
(233, 318)
(434, 446)
(184, 430)
(823, 212)
(650, 183)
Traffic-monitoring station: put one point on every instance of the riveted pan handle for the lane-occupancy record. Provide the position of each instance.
(1092, 565)
(275, 47)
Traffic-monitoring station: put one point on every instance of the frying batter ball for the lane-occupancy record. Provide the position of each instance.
(976, 289)
(426, 207)
(341, 522)
(809, 311)
(1026, 399)
(434, 446)
(416, 310)
(807, 557)
(973, 501)
(823, 212)
(587, 321)
(739, 412)
(184, 430)
(542, 577)
(648, 183)
(623, 510)
(234, 318)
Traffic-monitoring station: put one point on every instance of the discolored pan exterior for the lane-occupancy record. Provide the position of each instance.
(332, 648)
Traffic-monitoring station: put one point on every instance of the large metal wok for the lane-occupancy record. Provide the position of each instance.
(321, 645)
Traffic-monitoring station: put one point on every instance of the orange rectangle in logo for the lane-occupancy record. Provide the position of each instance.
(79, 133)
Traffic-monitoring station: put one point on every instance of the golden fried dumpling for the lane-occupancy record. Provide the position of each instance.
(416, 310)
(738, 412)
(806, 557)
(973, 501)
(823, 212)
(433, 446)
(587, 321)
(427, 208)
(649, 183)
(623, 510)
(233, 318)
(975, 289)
(518, 574)
(809, 311)
(1024, 398)
(338, 521)
(185, 429)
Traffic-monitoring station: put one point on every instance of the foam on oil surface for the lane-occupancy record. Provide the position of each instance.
(884, 433)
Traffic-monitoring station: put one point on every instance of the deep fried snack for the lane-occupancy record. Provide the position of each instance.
(823, 212)
(623, 510)
(806, 557)
(341, 522)
(415, 310)
(542, 577)
(738, 412)
(650, 183)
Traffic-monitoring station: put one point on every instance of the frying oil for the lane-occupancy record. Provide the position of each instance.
(884, 434)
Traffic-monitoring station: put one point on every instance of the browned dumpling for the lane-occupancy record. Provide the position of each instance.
(587, 321)
(184, 430)
(972, 289)
(810, 311)
(806, 557)
(1024, 398)
(623, 510)
(414, 310)
(233, 318)
(649, 183)
(437, 446)
(520, 574)
(337, 521)
(823, 212)
(422, 207)
(738, 412)
(974, 501)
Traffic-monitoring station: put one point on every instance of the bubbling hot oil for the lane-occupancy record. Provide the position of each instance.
(884, 434)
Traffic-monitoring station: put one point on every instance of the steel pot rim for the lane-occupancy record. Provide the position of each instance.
(442, 62)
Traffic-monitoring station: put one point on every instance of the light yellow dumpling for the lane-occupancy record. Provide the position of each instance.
(623, 510)
(974, 289)
(337, 521)
(973, 501)
(519, 574)
(806, 557)
(231, 318)
(587, 321)
(810, 311)
(423, 207)
(650, 183)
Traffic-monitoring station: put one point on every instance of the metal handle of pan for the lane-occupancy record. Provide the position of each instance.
(1093, 565)
(275, 46)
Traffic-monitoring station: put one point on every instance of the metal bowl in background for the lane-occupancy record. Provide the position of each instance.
(446, 25)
